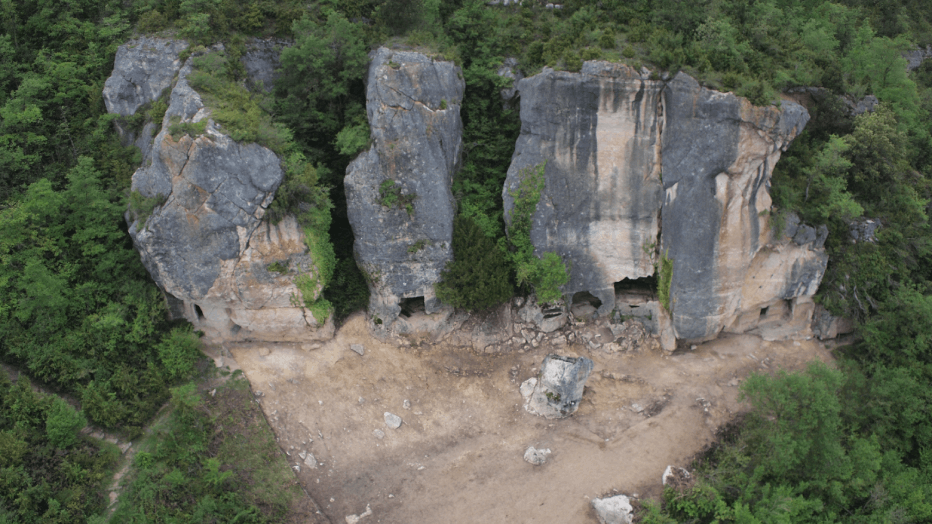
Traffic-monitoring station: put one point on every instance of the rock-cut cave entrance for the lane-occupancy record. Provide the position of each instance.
(410, 306)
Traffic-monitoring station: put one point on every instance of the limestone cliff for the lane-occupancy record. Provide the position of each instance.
(637, 167)
(206, 246)
(398, 191)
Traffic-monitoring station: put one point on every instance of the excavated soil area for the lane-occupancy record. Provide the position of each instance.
(458, 455)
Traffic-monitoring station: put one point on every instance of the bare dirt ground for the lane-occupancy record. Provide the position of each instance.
(458, 456)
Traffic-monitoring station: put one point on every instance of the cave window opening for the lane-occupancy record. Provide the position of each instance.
(763, 311)
(626, 289)
(585, 297)
(410, 306)
(199, 312)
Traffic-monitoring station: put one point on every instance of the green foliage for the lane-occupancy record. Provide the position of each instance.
(419, 245)
(212, 459)
(63, 423)
(664, 280)
(178, 352)
(478, 277)
(178, 129)
(48, 473)
(243, 115)
(391, 195)
(320, 74)
(279, 266)
(351, 140)
(79, 309)
(547, 273)
(142, 207)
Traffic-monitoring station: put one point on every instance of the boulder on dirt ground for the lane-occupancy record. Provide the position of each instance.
(559, 387)
(392, 420)
(613, 510)
(536, 456)
(674, 476)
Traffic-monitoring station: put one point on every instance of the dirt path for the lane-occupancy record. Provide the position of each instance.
(457, 458)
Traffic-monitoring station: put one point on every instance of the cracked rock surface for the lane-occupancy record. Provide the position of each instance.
(413, 105)
(638, 167)
(220, 265)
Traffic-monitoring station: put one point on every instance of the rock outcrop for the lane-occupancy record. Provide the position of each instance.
(626, 153)
(143, 69)
(558, 388)
(599, 133)
(398, 193)
(227, 271)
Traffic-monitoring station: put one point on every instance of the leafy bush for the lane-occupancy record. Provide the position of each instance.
(179, 351)
(547, 273)
(63, 423)
(390, 195)
(664, 280)
(478, 277)
(142, 207)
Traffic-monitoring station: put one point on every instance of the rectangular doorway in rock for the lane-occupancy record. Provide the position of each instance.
(584, 305)
(410, 306)
(199, 312)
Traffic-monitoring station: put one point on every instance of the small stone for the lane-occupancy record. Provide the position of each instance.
(393, 421)
(354, 519)
(264, 352)
(213, 392)
(637, 408)
(310, 461)
(406, 404)
(379, 434)
(362, 400)
(536, 456)
(527, 387)
(421, 468)
(692, 347)
(297, 468)
(613, 510)
(303, 455)
(358, 348)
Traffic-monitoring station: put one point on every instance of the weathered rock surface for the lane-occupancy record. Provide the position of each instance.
(613, 510)
(226, 271)
(536, 456)
(606, 134)
(142, 70)
(599, 133)
(915, 57)
(413, 105)
(718, 152)
(559, 388)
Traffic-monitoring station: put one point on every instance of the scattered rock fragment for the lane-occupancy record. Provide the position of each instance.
(406, 404)
(358, 348)
(393, 421)
(536, 456)
(379, 434)
(559, 389)
(310, 461)
(354, 519)
(613, 510)
(674, 476)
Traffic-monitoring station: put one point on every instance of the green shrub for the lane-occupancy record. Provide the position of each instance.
(177, 128)
(628, 52)
(179, 351)
(63, 423)
(142, 207)
(390, 195)
(352, 139)
(478, 276)
(152, 22)
(607, 41)
(545, 274)
(279, 266)
(664, 280)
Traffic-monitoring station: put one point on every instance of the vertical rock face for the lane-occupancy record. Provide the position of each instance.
(718, 154)
(398, 192)
(599, 133)
(206, 246)
(626, 154)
